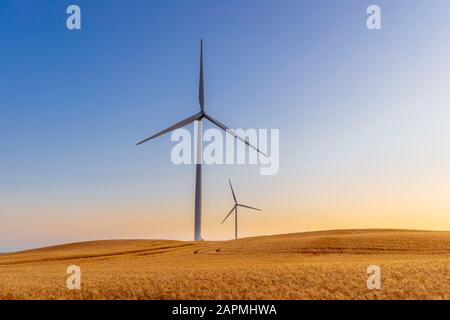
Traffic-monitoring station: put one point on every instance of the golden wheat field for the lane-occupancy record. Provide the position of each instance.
(313, 265)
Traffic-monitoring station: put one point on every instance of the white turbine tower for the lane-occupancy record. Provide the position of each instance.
(235, 209)
(198, 117)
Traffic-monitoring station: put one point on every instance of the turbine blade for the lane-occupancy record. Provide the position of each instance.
(231, 211)
(231, 131)
(174, 127)
(248, 207)
(201, 87)
(232, 191)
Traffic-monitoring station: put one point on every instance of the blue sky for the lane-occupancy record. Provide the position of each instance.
(363, 116)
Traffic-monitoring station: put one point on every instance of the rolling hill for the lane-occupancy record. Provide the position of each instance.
(310, 265)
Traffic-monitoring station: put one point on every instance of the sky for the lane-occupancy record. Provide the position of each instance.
(363, 116)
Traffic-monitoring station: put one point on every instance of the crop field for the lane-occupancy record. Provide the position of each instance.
(312, 265)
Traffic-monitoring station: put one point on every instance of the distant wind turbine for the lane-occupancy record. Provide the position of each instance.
(198, 117)
(235, 209)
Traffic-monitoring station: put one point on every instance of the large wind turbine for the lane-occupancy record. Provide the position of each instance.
(198, 117)
(235, 209)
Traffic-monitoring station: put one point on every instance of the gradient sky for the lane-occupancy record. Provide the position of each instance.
(363, 116)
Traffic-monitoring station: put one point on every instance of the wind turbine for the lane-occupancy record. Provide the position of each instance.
(198, 117)
(235, 209)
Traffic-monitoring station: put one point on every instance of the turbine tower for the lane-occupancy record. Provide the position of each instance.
(235, 209)
(198, 117)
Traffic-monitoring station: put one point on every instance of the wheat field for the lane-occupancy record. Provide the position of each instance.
(312, 265)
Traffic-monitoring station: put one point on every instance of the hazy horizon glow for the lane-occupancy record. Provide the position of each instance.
(363, 117)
